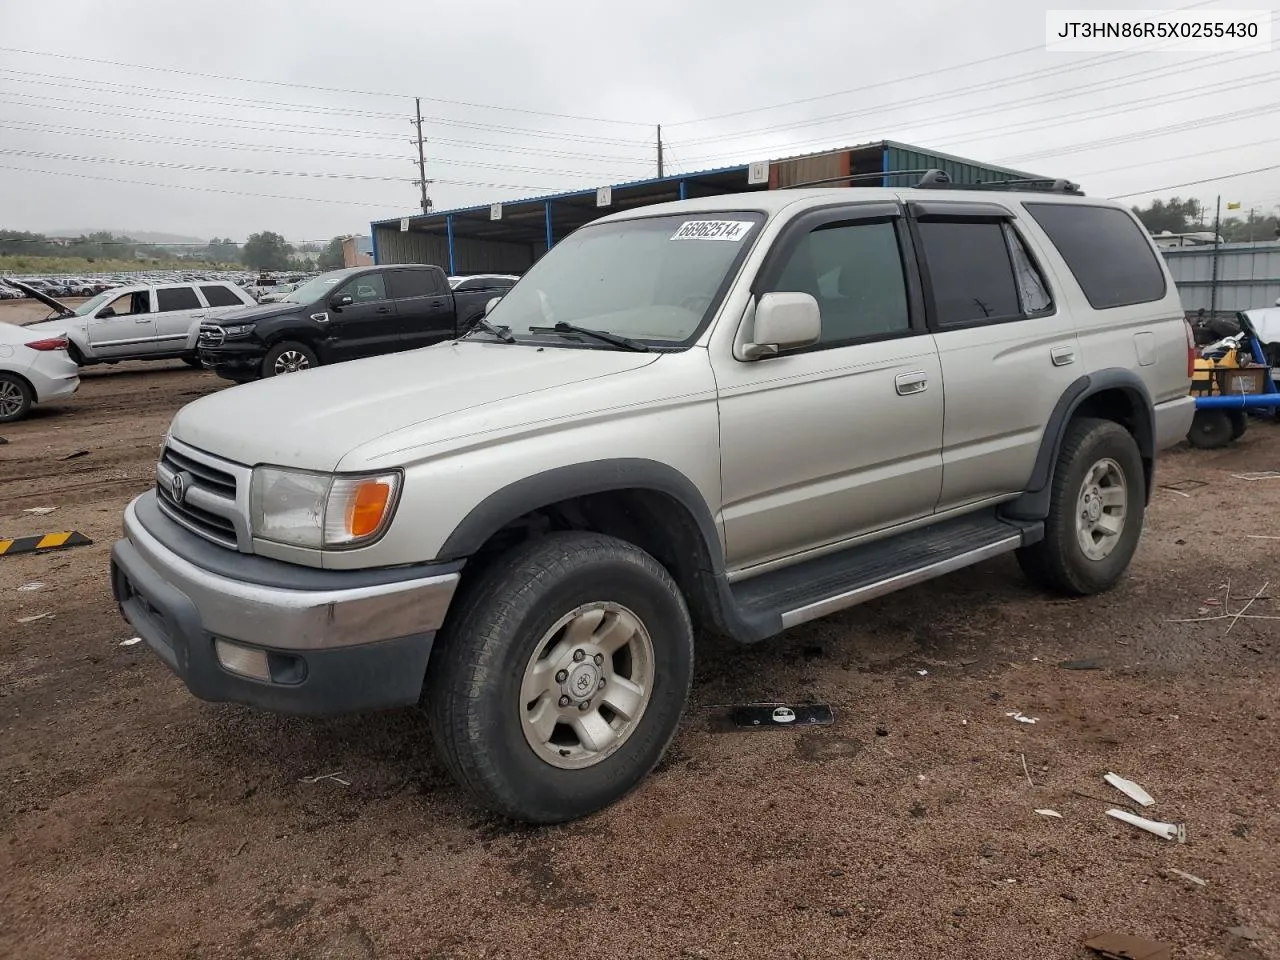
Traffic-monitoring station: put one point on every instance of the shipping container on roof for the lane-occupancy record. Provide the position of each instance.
(508, 237)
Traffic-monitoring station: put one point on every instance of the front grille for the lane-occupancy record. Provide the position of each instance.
(210, 501)
(211, 335)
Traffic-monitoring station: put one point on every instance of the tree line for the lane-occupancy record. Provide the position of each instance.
(1191, 216)
(266, 251)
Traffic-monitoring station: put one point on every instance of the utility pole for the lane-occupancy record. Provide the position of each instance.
(422, 159)
(1213, 288)
(660, 170)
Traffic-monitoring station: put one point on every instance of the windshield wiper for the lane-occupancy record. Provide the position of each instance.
(617, 339)
(502, 333)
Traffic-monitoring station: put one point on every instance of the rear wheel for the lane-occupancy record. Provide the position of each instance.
(558, 684)
(288, 357)
(1210, 429)
(1095, 512)
(15, 398)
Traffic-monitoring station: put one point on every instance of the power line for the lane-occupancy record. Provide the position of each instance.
(1195, 183)
(307, 86)
(1185, 156)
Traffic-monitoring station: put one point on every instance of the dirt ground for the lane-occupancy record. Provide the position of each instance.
(136, 821)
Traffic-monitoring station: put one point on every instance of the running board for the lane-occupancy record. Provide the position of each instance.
(827, 584)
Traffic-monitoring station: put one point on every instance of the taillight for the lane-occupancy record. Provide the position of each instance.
(52, 343)
(1191, 348)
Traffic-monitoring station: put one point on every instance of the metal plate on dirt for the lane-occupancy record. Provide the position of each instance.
(774, 715)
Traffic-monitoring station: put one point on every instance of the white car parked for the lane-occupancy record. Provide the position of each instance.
(34, 368)
(146, 322)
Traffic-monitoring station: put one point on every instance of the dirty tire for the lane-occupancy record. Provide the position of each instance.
(473, 684)
(1210, 429)
(192, 362)
(284, 351)
(1239, 423)
(1058, 562)
(15, 398)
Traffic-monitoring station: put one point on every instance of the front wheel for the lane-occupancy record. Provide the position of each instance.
(288, 357)
(15, 398)
(193, 362)
(1095, 511)
(559, 683)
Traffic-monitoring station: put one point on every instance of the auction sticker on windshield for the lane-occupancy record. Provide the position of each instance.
(712, 230)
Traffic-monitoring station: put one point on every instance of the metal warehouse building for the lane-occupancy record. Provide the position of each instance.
(508, 237)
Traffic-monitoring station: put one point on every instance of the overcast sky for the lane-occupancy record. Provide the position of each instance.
(584, 83)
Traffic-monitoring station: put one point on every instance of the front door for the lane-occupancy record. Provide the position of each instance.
(123, 327)
(842, 438)
(368, 325)
(424, 307)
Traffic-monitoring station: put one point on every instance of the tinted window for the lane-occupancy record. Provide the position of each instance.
(1107, 251)
(854, 271)
(368, 288)
(177, 298)
(969, 271)
(1032, 289)
(220, 297)
(415, 283)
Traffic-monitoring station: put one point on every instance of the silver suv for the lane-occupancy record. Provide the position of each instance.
(734, 414)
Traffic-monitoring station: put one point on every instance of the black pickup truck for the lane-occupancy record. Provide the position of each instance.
(343, 315)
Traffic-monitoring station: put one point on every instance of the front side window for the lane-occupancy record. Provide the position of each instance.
(127, 304)
(368, 288)
(854, 271)
(970, 271)
(177, 298)
(655, 279)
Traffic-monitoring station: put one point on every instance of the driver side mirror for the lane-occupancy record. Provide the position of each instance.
(105, 313)
(343, 301)
(488, 307)
(784, 321)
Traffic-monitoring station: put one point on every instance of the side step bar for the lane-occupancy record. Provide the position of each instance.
(775, 601)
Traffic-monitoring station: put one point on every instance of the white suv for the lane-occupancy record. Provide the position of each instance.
(141, 322)
(734, 414)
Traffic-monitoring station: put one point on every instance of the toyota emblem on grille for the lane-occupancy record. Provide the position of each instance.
(178, 487)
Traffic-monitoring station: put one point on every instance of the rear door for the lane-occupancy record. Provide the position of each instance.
(178, 309)
(368, 325)
(1008, 352)
(123, 327)
(424, 306)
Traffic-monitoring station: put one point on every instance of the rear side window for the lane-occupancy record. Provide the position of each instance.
(406, 284)
(970, 272)
(177, 298)
(1109, 254)
(221, 297)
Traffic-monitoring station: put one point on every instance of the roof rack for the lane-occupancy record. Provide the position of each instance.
(877, 175)
(941, 180)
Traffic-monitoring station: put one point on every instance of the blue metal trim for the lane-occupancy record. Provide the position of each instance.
(448, 226)
(373, 236)
(884, 167)
(548, 209)
(681, 189)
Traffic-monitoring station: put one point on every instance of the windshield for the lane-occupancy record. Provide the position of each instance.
(317, 288)
(93, 304)
(653, 279)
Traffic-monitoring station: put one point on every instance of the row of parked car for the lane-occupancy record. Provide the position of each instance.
(219, 325)
(259, 285)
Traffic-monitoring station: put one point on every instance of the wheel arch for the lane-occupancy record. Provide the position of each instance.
(1113, 394)
(31, 387)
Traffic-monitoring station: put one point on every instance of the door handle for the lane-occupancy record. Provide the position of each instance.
(383, 310)
(142, 320)
(1062, 356)
(908, 383)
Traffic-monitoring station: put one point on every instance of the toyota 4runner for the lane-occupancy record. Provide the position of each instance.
(734, 414)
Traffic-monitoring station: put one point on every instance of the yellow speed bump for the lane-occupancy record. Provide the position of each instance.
(43, 542)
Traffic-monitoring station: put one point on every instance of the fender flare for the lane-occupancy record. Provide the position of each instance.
(576, 480)
(1034, 502)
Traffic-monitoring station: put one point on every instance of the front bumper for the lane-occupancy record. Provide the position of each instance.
(330, 641)
(234, 361)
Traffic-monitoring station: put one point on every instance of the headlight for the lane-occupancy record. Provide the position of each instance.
(236, 331)
(320, 510)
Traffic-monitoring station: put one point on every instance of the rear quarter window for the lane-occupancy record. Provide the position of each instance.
(1109, 254)
(219, 296)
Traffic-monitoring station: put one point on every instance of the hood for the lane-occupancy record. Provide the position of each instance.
(62, 308)
(1266, 323)
(311, 420)
(56, 325)
(247, 314)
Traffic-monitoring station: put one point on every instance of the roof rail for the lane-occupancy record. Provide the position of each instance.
(940, 180)
(877, 175)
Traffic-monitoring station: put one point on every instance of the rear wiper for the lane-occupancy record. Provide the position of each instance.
(603, 335)
(502, 333)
